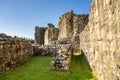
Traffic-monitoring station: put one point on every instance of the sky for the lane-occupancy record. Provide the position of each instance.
(19, 17)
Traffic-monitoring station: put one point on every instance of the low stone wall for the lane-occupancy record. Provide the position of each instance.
(13, 52)
(43, 50)
(50, 49)
(62, 59)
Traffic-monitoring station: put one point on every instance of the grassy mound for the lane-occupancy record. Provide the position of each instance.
(38, 69)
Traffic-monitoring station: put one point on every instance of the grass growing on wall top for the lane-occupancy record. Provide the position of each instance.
(38, 69)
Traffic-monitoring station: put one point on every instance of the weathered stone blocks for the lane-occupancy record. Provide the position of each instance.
(62, 58)
(13, 52)
(100, 39)
(44, 50)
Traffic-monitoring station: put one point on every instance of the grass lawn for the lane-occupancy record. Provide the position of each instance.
(38, 69)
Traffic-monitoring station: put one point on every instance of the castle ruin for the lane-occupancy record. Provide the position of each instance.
(98, 39)
(96, 36)
(61, 41)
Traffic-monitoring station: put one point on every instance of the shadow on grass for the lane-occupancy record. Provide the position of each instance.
(80, 69)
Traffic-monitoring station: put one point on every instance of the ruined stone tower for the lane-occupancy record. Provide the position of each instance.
(39, 35)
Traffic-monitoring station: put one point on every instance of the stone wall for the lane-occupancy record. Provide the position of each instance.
(100, 40)
(40, 35)
(51, 34)
(13, 52)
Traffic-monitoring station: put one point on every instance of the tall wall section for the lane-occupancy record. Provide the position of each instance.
(70, 25)
(65, 25)
(40, 35)
(100, 40)
(13, 52)
(51, 34)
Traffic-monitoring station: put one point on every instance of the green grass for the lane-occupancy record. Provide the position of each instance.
(77, 53)
(80, 70)
(38, 69)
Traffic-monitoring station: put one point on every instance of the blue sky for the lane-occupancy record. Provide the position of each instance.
(19, 17)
